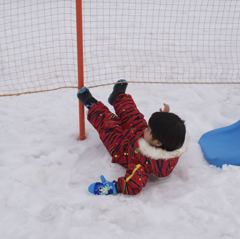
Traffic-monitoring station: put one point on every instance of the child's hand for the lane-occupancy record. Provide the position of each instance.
(103, 188)
(165, 108)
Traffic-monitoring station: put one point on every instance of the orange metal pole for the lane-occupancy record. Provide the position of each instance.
(79, 26)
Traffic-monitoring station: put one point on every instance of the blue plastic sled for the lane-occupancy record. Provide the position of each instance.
(222, 146)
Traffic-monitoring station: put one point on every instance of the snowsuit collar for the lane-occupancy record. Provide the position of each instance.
(157, 153)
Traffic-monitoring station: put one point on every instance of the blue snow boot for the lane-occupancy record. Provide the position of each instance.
(86, 97)
(119, 88)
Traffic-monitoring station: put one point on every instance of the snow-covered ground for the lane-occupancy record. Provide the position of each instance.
(45, 171)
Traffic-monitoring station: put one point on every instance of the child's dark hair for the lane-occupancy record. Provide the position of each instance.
(169, 129)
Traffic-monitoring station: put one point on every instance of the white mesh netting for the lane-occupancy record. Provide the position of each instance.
(164, 41)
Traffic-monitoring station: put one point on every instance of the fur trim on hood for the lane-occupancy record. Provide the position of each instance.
(157, 153)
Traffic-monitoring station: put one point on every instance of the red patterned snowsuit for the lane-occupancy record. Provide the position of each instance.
(121, 134)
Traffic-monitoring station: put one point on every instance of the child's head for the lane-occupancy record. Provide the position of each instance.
(166, 130)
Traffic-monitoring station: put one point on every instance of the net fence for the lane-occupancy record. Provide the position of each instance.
(37, 45)
(167, 41)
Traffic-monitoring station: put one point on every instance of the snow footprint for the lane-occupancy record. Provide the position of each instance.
(49, 213)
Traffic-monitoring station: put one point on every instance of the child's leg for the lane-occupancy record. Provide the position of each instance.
(125, 107)
(128, 113)
(110, 131)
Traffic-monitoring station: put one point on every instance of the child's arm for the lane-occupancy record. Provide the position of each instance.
(133, 182)
(165, 108)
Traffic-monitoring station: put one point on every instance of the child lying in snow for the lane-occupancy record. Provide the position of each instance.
(143, 149)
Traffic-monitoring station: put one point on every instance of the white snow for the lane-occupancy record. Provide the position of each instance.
(45, 171)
